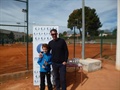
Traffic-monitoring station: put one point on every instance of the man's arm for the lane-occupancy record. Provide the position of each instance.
(66, 52)
(40, 58)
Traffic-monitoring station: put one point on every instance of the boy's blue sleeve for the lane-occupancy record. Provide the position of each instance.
(39, 61)
(49, 61)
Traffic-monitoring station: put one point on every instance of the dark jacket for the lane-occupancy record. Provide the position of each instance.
(59, 50)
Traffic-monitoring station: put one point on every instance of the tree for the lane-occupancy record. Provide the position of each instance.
(64, 33)
(0, 35)
(114, 33)
(60, 35)
(11, 36)
(92, 22)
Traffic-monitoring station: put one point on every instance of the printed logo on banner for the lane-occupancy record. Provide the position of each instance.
(39, 48)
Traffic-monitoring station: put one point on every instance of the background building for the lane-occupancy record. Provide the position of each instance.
(16, 34)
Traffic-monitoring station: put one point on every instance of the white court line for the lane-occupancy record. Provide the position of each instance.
(21, 52)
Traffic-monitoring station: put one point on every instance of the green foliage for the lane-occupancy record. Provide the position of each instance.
(114, 33)
(24, 39)
(11, 36)
(0, 35)
(92, 22)
(62, 35)
(106, 37)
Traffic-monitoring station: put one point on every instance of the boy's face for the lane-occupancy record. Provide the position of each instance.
(45, 50)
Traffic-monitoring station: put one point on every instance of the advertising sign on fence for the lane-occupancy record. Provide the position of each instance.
(41, 34)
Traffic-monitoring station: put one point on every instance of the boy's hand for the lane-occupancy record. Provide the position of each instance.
(40, 55)
(45, 63)
(43, 66)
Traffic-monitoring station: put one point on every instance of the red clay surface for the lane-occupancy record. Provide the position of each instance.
(13, 58)
(108, 78)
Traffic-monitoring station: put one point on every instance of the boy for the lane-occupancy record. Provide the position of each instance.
(45, 62)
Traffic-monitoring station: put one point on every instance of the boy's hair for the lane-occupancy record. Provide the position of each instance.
(53, 30)
(45, 45)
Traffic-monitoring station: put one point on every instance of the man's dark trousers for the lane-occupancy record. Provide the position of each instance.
(60, 75)
(42, 80)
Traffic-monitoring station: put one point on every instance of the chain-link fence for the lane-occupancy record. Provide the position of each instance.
(14, 36)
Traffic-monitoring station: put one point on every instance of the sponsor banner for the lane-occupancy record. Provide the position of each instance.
(41, 34)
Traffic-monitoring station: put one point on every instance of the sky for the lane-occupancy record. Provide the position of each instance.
(54, 12)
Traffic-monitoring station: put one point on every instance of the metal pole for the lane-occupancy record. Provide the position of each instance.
(83, 30)
(77, 28)
(118, 38)
(18, 32)
(18, 24)
(12, 25)
(24, 27)
(74, 41)
(27, 1)
(24, 11)
(24, 33)
(101, 45)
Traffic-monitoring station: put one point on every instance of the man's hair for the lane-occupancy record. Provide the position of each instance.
(45, 45)
(53, 30)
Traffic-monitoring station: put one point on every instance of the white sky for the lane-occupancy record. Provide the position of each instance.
(55, 12)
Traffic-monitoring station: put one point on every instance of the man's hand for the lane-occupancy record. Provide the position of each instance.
(64, 63)
(40, 55)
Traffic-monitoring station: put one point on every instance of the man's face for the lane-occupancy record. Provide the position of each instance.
(54, 35)
(45, 50)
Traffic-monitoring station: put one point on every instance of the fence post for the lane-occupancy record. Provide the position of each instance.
(101, 44)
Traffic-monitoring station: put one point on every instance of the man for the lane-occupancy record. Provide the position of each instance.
(59, 59)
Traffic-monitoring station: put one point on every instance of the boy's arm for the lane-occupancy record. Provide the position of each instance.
(49, 61)
(39, 61)
(40, 58)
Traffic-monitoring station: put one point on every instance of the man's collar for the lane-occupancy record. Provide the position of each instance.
(56, 39)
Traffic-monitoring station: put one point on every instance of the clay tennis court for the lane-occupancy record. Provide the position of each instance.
(13, 56)
(13, 59)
